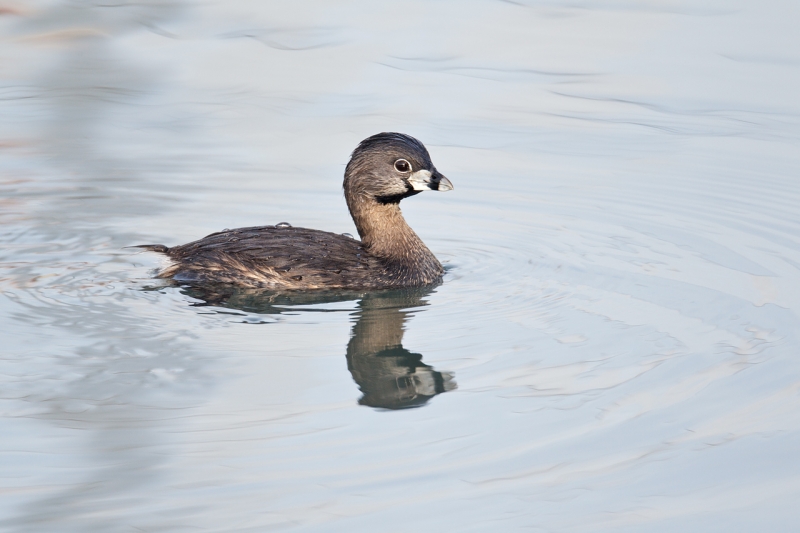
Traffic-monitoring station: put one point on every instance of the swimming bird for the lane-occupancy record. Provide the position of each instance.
(383, 170)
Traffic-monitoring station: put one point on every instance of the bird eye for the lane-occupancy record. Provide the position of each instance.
(402, 165)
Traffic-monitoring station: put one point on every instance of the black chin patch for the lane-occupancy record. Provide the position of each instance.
(395, 198)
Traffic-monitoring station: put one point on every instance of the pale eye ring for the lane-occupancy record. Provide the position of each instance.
(401, 165)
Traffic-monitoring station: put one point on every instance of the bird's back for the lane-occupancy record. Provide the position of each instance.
(276, 257)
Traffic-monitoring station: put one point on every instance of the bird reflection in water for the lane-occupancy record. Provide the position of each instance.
(389, 375)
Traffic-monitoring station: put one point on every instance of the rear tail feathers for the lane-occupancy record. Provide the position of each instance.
(160, 248)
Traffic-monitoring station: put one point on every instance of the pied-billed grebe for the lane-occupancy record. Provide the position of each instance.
(383, 169)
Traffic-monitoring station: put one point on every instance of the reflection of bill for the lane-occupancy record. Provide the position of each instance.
(389, 376)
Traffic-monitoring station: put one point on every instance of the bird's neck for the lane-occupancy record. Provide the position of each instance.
(385, 233)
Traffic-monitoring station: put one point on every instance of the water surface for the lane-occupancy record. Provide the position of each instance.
(615, 344)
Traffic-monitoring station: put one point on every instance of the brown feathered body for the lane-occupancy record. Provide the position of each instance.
(295, 258)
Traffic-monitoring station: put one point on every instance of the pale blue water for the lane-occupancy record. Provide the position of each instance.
(616, 345)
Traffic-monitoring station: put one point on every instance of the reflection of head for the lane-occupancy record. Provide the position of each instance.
(394, 378)
(389, 376)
